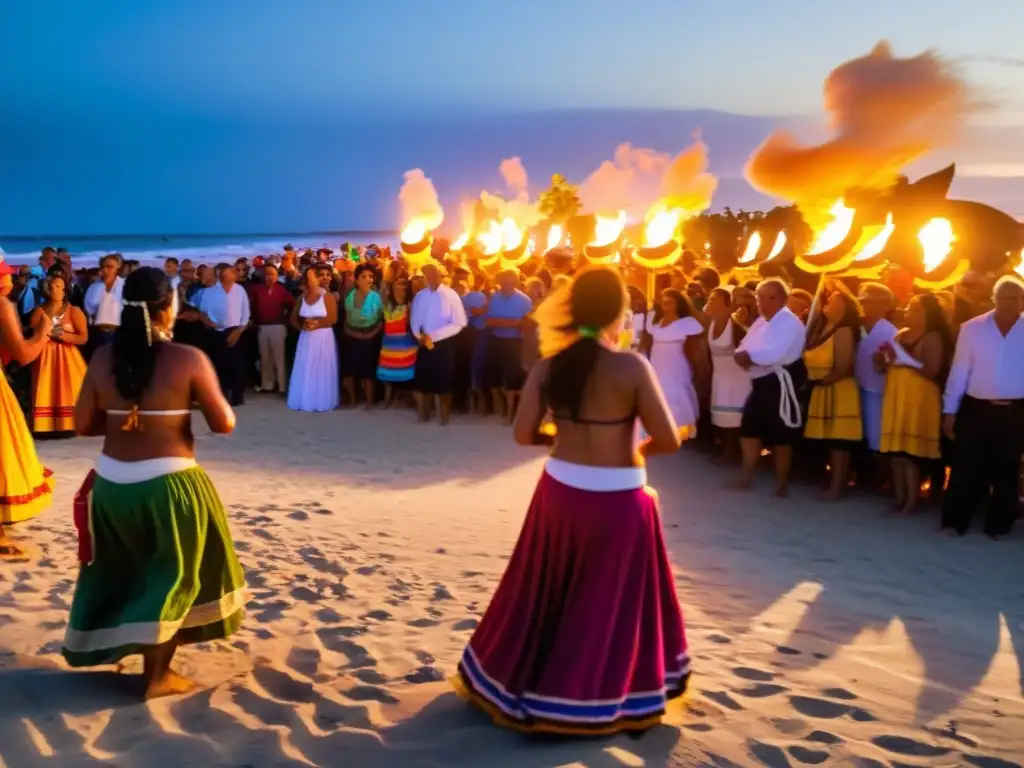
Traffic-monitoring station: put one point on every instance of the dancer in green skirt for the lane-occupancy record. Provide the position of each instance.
(158, 565)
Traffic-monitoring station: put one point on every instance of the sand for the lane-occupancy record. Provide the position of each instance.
(822, 634)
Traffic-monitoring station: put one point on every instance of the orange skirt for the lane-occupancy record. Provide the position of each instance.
(26, 487)
(57, 377)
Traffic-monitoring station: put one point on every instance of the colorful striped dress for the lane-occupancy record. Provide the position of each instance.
(397, 363)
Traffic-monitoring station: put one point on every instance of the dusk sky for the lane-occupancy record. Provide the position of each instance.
(196, 116)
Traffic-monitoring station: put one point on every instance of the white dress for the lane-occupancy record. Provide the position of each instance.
(673, 369)
(730, 384)
(314, 381)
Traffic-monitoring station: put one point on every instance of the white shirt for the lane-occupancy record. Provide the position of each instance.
(986, 365)
(774, 343)
(868, 377)
(437, 313)
(102, 306)
(226, 309)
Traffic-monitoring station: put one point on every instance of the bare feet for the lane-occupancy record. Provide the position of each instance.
(169, 684)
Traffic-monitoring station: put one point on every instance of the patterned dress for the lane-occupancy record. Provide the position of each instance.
(397, 363)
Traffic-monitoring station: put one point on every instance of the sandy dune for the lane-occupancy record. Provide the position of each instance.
(822, 635)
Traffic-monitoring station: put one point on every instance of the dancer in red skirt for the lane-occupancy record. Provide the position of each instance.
(585, 635)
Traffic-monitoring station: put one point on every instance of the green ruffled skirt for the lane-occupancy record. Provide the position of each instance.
(165, 569)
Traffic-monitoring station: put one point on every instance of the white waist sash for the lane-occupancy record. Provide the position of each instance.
(789, 405)
(601, 479)
(128, 472)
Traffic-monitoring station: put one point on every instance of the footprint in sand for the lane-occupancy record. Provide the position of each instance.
(986, 761)
(769, 754)
(319, 511)
(424, 657)
(299, 515)
(903, 745)
(282, 687)
(762, 690)
(358, 656)
(367, 570)
(379, 615)
(370, 677)
(698, 727)
(785, 650)
(465, 625)
(305, 661)
(724, 699)
(441, 593)
(822, 709)
(808, 756)
(839, 693)
(370, 693)
(425, 675)
(720, 639)
(755, 675)
(823, 737)
(306, 595)
(423, 623)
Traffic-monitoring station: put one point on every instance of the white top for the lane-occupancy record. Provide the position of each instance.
(868, 377)
(226, 309)
(438, 313)
(102, 306)
(986, 365)
(774, 343)
(317, 309)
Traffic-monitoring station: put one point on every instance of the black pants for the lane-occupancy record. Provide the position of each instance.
(229, 363)
(986, 465)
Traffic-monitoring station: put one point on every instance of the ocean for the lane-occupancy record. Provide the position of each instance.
(86, 250)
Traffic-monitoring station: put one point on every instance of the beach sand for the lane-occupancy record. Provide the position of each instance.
(821, 634)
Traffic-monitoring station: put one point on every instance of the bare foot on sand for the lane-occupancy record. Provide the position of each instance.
(170, 684)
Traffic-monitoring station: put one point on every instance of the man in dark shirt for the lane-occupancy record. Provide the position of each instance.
(272, 305)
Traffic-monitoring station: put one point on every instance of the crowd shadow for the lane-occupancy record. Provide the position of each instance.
(952, 596)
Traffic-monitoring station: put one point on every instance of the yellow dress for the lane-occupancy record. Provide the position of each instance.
(834, 410)
(26, 487)
(911, 414)
(57, 376)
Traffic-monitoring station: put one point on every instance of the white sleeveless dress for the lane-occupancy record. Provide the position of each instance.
(673, 369)
(730, 384)
(314, 381)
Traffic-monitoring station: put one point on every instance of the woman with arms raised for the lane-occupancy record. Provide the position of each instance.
(26, 487)
(159, 568)
(584, 634)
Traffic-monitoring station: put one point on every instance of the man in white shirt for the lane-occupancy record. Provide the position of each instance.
(224, 310)
(983, 413)
(877, 302)
(772, 352)
(103, 302)
(437, 318)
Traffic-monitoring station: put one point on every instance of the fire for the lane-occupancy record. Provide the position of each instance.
(780, 243)
(511, 234)
(460, 243)
(936, 238)
(607, 229)
(491, 239)
(1020, 266)
(661, 228)
(554, 237)
(875, 245)
(415, 231)
(753, 246)
(836, 230)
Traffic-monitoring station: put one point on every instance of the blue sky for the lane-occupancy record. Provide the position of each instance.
(181, 115)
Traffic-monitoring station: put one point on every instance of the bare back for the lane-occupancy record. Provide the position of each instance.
(182, 376)
(620, 390)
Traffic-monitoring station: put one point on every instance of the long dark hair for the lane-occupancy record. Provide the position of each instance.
(597, 300)
(935, 322)
(853, 318)
(135, 348)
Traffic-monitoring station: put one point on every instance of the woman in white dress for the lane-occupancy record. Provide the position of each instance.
(676, 344)
(314, 382)
(730, 384)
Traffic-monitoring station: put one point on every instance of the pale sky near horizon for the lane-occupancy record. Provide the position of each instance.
(102, 91)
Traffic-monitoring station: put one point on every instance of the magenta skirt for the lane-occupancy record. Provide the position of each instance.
(584, 634)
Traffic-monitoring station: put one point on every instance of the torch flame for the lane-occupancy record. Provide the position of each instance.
(607, 229)
(875, 245)
(511, 235)
(750, 252)
(554, 237)
(936, 238)
(491, 239)
(460, 243)
(1020, 267)
(415, 231)
(780, 243)
(836, 230)
(661, 228)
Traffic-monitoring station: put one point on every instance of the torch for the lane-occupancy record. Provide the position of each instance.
(604, 249)
(516, 248)
(661, 247)
(416, 242)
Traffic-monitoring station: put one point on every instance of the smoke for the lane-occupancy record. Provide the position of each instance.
(418, 200)
(514, 173)
(884, 112)
(636, 178)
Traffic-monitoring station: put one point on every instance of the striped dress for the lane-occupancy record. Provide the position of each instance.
(397, 362)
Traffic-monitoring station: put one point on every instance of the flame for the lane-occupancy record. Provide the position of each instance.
(662, 227)
(875, 245)
(750, 252)
(491, 239)
(707, 246)
(554, 237)
(607, 229)
(1020, 266)
(936, 238)
(511, 234)
(780, 243)
(836, 230)
(460, 243)
(415, 231)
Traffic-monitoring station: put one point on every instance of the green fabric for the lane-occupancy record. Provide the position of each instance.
(163, 555)
(365, 316)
